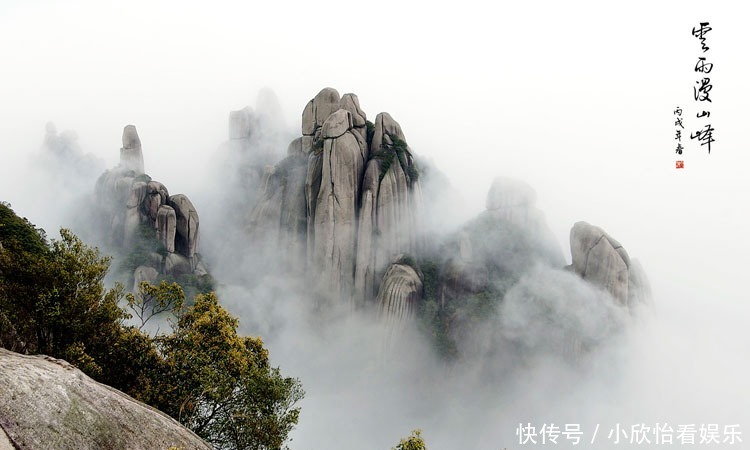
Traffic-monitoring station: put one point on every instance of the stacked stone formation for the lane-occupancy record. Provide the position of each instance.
(129, 199)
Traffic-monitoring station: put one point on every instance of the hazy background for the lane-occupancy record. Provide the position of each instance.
(572, 97)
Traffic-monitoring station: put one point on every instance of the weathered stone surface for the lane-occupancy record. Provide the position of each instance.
(144, 273)
(186, 238)
(398, 299)
(400, 292)
(308, 119)
(337, 124)
(367, 267)
(600, 259)
(350, 102)
(176, 264)
(385, 127)
(324, 104)
(166, 223)
(126, 203)
(390, 208)
(295, 148)
(156, 197)
(312, 189)
(47, 403)
(307, 144)
(335, 216)
(5, 443)
(131, 155)
(138, 191)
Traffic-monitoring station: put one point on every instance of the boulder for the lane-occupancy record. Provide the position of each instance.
(186, 238)
(350, 102)
(166, 224)
(318, 109)
(400, 292)
(47, 403)
(602, 261)
(337, 124)
(176, 264)
(398, 300)
(144, 273)
(131, 155)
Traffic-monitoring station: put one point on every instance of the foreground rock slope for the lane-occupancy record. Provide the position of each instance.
(46, 403)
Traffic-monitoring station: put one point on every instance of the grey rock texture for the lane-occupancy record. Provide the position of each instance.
(335, 221)
(130, 205)
(46, 403)
(166, 225)
(602, 261)
(186, 237)
(390, 206)
(278, 222)
(350, 102)
(131, 155)
(400, 292)
(344, 203)
(398, 300)
(144, 273)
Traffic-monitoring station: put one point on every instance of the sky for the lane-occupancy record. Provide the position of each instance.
(576, 98)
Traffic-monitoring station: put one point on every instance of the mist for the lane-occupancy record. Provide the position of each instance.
(574, 99)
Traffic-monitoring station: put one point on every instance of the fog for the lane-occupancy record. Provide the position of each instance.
(575, 99)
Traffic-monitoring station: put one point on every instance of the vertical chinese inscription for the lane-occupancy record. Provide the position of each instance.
(702, 88)
(678, 127)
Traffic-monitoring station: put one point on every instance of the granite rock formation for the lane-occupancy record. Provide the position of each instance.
(344, 207)
(399, 296)
(138, 212)
(47, 403)
(602, 261)
(343, 203)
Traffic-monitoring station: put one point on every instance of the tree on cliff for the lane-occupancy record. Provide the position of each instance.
(219, 384)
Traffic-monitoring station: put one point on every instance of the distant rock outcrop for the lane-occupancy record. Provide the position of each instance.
(138, 213)
(344, 210)
(602, 261)
(46, 403)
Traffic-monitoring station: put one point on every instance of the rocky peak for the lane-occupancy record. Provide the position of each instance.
(131, 155)
(356, 198)
(137, 212)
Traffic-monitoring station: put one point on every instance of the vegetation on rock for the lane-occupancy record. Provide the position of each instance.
(413, 442)
(219, 384)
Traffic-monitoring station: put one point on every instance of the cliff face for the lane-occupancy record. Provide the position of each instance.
(47, 403)
(343, 203)
(138, 213)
